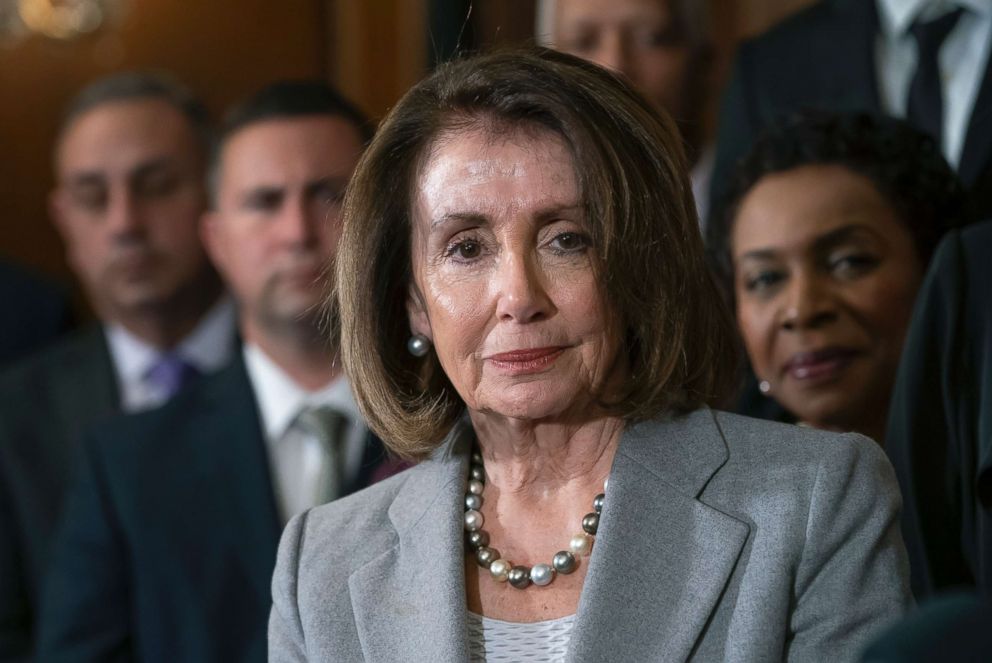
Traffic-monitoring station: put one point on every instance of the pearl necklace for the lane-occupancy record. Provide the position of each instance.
(503, 570)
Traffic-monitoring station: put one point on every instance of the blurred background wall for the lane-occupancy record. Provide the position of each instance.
(224, 49)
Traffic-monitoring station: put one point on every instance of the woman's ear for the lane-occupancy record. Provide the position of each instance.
(416, 312)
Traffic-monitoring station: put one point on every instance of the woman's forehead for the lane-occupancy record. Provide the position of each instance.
(472, 166)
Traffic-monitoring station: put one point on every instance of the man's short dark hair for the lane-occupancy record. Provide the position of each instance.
(284, 100)
(140, 85)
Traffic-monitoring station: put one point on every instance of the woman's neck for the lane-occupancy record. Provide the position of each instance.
(539, 459)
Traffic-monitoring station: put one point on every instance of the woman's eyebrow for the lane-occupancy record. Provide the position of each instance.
(458, 217)
(758, 254)
(553, 211)
(843, 234)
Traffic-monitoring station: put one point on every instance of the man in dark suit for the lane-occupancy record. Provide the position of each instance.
(168, 542)
(926, 61)
(940, 423)
(130, 159)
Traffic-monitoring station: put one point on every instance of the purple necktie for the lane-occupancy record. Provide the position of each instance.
(171, 373)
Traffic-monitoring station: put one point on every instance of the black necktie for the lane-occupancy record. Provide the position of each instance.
(925, 107)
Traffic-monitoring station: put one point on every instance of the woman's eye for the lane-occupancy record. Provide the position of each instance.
(853, 264)
(763, 281)
(569, 243)
(467, 249)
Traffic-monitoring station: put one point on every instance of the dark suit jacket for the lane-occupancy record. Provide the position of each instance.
(940, 424)
(34, 313)
(823, 58)
(168, 540)
(45, 402)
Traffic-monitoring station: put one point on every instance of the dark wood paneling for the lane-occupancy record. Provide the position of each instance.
(224, 49)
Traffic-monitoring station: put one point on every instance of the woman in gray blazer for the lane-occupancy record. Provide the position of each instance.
(524, 306)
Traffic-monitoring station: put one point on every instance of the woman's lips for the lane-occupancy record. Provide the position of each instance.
(532, 360)
(820, 365)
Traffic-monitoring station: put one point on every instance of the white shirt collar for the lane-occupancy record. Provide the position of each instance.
(208, 347)
(896, 16)
(280, 398)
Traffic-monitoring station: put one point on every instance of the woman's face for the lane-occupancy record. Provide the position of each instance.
(825, 277)
(505, 285)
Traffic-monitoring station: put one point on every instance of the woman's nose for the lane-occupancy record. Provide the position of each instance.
(807, 304)
(521, 293)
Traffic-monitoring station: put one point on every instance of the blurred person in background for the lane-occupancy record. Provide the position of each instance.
(940, 425)
(168, 542)
(130, 160)
(831, 222)
(927, 61)
(663, 48)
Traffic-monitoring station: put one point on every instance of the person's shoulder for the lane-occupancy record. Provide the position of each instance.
(775, 445)
(335, 539)
(808, 26)
(976, 240)
(363, 514)
(79, 351)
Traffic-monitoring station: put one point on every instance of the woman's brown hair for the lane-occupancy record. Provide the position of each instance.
(642, 219)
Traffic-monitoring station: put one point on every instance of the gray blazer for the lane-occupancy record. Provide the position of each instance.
(722, 539)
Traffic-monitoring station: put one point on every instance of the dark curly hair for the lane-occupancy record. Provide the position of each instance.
(905, 166)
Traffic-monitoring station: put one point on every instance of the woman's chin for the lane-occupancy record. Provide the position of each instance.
(529, 402)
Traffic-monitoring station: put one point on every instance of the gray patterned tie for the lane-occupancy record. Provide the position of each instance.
(328, 427)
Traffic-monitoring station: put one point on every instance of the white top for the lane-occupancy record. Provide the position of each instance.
(491, 640)
(208, 347)
(296, 455)
(963, 57)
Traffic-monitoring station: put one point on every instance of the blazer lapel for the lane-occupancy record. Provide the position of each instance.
(421, 579)
(231, 438)
(662, 558)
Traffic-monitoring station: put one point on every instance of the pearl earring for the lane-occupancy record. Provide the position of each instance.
(764, 387)
(418, 345)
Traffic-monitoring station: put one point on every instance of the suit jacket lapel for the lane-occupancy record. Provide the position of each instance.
(87, 390)
(662, 558)
(978, 140)
(230, 438)
(422, 578)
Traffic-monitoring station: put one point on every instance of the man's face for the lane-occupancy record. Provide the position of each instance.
(637, 38)
(277, 218)
(127, 203)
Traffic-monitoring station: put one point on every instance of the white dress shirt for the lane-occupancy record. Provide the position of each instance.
(963, 58)
(208, 347)
(280, 400)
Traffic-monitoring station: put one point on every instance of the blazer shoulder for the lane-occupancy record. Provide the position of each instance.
(335, 539)
(774, 444)
(364, 515)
